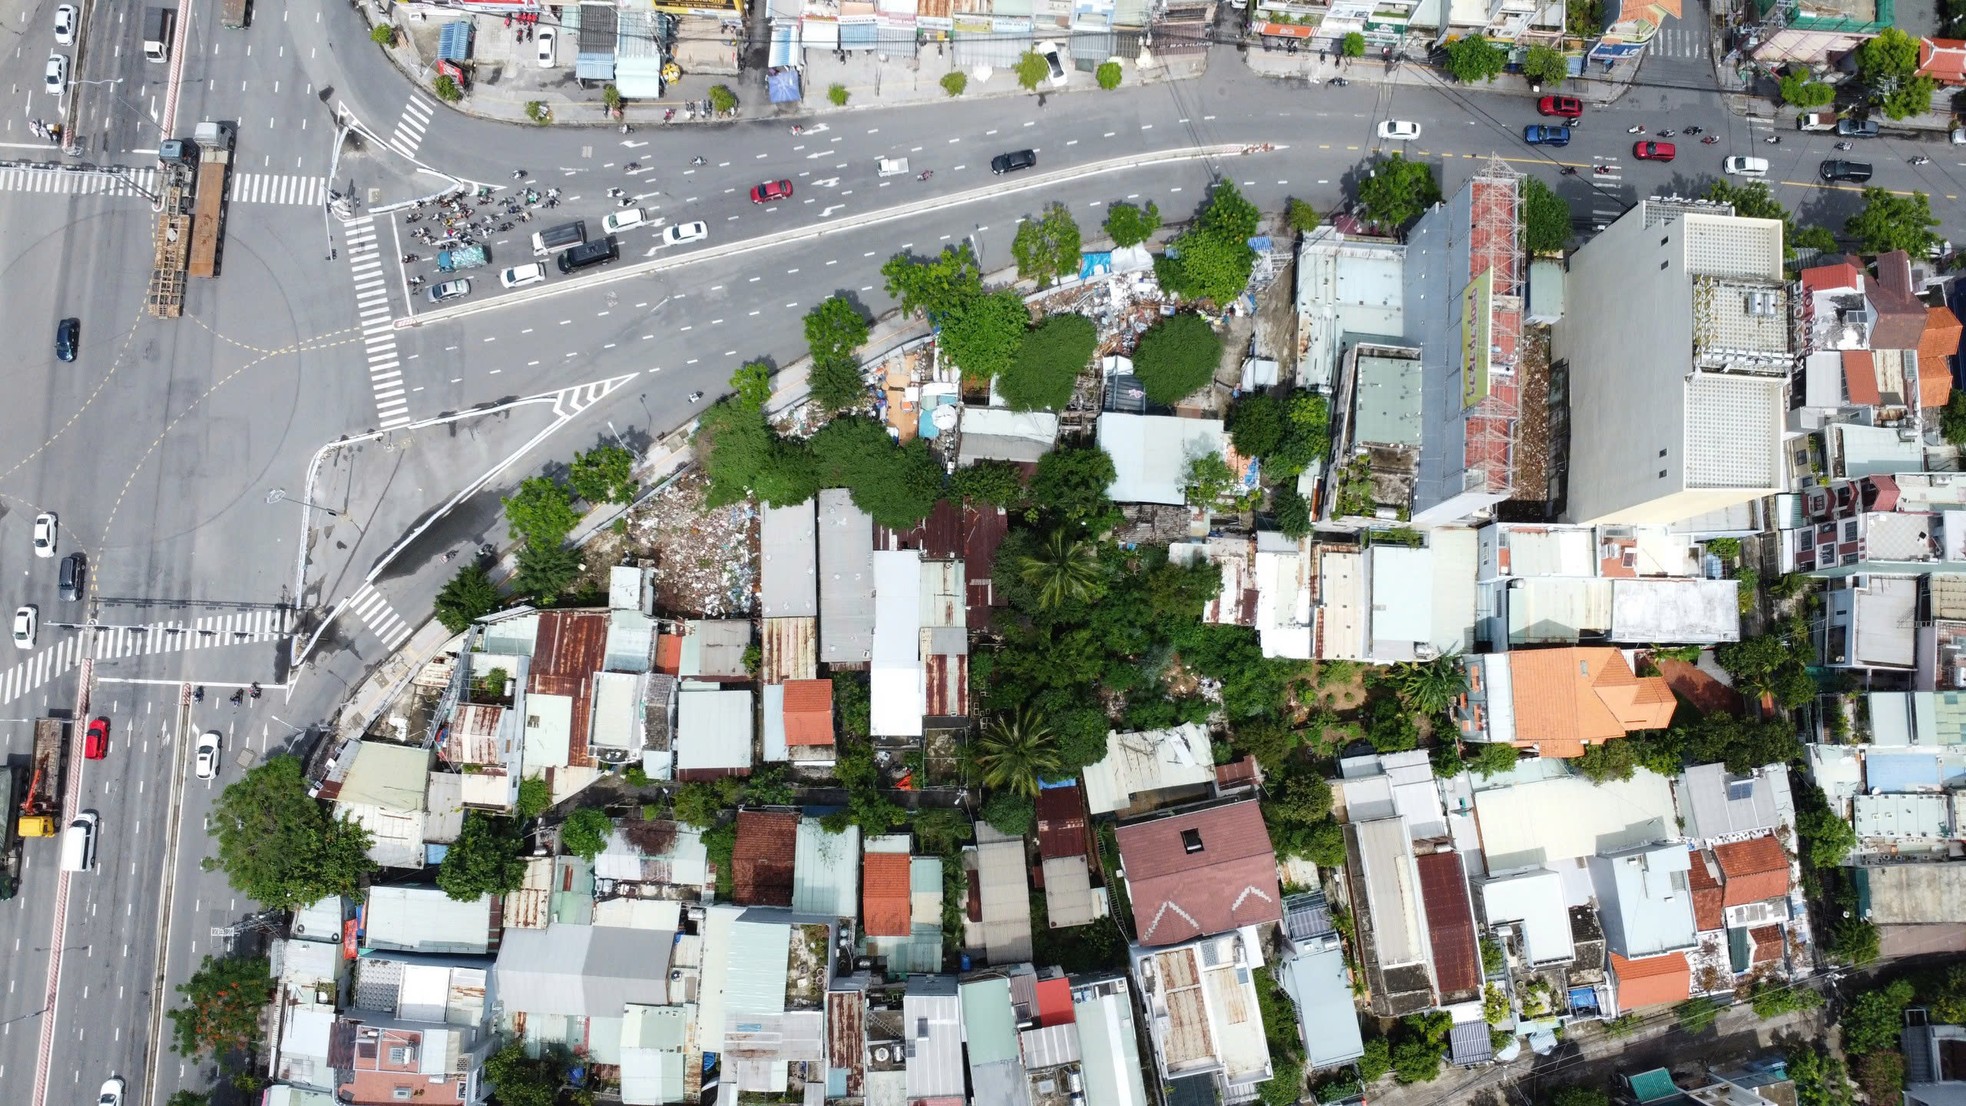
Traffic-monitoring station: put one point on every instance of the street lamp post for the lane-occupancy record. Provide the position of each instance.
(279, 494)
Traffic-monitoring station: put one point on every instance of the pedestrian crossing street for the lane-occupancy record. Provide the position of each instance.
(410, 127)
(112, 642)
(1681, 39)
(359, 239)
(1607, 203)
(374, 610)
(296, 189)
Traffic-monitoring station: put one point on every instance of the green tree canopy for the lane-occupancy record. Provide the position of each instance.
(278, 846)
(1398, 191)
(585, 832)
(1887, 58)
(469, 596)
(1048, 363)
(1011, 812)
(1874, 1018)
(1545, 65)
(933, 284)
(983, 334)
(1062, 569)
(1800, 90)
(604, 474)
(1431, 686)
(998, 483)
(1545, 218)
(1473, 58)
(488, 858)
(540, 512)
(1047, 247)
(1212, 261)
(1031, 70)
(1130, 225)
(1575, 1095)
(1207, 480)
(835, 331)
(751, 384)
(518, 1080)
(1072, 481)
(1352, 45)
(224, 1001)
(1892, 222)
(544, 571)
(1306, 435)
(1108, 75)
(1826, 838)
(1952, 420)
(1256, 424)
(1177, 358)
(897, 485)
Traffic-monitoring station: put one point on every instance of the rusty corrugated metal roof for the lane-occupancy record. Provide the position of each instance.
(947, 680)
(790, 650)
(571, 646)
(846, 1036)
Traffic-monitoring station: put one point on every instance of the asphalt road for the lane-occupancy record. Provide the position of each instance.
(164, 445)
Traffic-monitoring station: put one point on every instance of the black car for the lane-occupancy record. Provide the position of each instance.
(68, 334)
(71, 577)
(1013, 161)
(1848, 172)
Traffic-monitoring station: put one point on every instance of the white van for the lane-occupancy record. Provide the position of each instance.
(78, 843)
(1746, 166)
(625, 220)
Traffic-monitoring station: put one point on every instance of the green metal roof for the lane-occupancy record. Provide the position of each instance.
(989, 1021)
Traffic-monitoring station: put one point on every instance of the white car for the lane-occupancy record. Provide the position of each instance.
(65, 26)
(518, 276)
(27, 620)
(45, 531)
(111, 1093)
(1399, 130)
(55, 77)
(625, 220)
(207, 761)
(684, 232)
(544, 36)
(1049, 52)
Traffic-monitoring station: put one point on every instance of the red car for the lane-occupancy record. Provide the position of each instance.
(771, 190)
(96, 745)
(1654, 151)
(1567, 106)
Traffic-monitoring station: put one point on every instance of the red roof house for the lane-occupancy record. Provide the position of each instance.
(1753, 870)
(1653, 981)
(884, 894)
(808, 712)
(1707, 895)
(761, 861)
(1200, 872)
(1943, 60)
(1061, 822)
(1450, 923)
(1055, 1002)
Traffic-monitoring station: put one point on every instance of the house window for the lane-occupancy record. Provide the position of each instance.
(1191, 840)
(400, 1092)
(399, 1054)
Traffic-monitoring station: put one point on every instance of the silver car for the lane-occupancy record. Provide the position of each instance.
(450, 290)
(55, 76)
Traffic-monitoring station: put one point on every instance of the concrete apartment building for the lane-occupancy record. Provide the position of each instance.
(1677, 337)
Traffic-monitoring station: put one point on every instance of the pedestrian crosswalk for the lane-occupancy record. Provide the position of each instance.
(374, 610)
(1680, 39)
(1607, 204)
(245, 188)
(103, 642)
(410, 127)
(278, 188)
(378, 326)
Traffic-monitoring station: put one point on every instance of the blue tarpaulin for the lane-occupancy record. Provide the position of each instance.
(454, 41)
(783, 85)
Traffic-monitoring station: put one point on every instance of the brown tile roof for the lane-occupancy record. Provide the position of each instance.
(1936, 351)
(1061, 822)
(569, 647)
(1834, 276)
(1753, 870)
(1568, 697)
(984, 528)
(1768, 943)
(1450, 923)
(1707, 896)
(761, 861)
(1238, 773)
(1653, 981)
(1900, 321)
(884, 894)
(1228, 880)
(809, 712)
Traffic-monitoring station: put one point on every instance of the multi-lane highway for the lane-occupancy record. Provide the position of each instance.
(185, 456)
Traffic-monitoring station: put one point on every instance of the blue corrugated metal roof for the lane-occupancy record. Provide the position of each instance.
(454, 41)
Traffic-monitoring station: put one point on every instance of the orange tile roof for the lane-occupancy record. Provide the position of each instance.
(1860, 378)
(1707, 897)
(1943, 60)
(808, 712)
(884, 894)
(1653, 981)
(1836, 276)
(1935, 353)
(1768, 943)
(1753, 870)
(1567, 698)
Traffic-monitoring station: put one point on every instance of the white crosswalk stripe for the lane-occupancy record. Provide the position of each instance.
(1679, 40)
(111, 642)
(278, 188)
(409, 128)
(378, 325)
(54, 180)
(374, 610)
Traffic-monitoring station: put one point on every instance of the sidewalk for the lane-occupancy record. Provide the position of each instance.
(869, 81)
(1596, 90)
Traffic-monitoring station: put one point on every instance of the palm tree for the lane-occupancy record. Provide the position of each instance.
(1063, 569)
(1014, 750)
(1431, 687)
